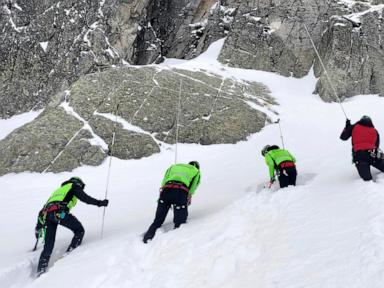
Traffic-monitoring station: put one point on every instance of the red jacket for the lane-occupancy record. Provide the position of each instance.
(364, 136)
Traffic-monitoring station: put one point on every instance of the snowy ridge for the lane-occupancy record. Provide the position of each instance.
(326, 232)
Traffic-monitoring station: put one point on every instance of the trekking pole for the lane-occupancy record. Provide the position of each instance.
(281, 133)
(177, 121)
(325, 70)
(109, 169)
(35, 247)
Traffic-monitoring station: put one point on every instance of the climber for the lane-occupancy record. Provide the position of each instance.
(56, 211)
(365, 146)
(283, 163)
(178, 186)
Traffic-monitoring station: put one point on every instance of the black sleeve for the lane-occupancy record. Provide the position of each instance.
(82, 196)
(347, 132)
(378, 139)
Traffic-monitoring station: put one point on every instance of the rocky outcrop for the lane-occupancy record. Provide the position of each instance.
(272, 36)
(47, 45)
(33, 146)
(352, 48)
(180, 29)
(142, 107)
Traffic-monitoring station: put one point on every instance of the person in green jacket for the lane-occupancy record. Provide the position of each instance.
(56, 211)
(179, 184)
(283, 163)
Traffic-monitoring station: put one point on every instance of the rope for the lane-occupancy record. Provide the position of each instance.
(77, 133)
(325, 70)
(61, 152)
(177, 120)
(109, 169)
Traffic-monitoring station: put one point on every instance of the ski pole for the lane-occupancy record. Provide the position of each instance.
(177, 120)
(109, 169)
(281, 133)
(35, 247)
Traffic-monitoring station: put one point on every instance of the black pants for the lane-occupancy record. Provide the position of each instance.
(287, 176)
(176, 197)
(69, 222)
(364, 168)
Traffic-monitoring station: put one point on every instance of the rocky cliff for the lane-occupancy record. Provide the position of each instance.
(47, 45)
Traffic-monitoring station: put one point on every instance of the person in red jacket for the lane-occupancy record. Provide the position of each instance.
(365, 146)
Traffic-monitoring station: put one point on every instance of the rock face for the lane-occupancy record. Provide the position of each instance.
(142, 107)
(180, 29)
(45, 46)
(356, 68)
(272, 36)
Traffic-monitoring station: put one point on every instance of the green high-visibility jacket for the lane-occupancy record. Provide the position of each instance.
(275, 157)
(60, 195)
(187, 174)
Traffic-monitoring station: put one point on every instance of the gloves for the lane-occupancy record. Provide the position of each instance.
(348, 123)
(189, 200)
(271, 182)
(103, 203)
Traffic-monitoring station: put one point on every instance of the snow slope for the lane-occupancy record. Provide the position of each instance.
(326, 232)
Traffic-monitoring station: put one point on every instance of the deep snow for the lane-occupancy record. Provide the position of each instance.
(326, 232)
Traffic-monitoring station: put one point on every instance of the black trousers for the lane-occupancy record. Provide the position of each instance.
(363, 161)
(287, 176)
(176, 197)
(52, 222)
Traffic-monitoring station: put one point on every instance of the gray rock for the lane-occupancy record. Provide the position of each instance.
(79, 152)
(33, 146)
(356, 68)
(146, 100)
(47, 45)
(180, 29)
(127, 144)
(271, 36)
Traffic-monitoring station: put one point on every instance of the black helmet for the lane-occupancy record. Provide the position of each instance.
(77, 180)
(366, 121)
(265, 150)
(195, 163)
(268, 148)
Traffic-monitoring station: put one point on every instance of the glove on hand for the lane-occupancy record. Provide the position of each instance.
(103, 203)
(189, 200)
(348, 122)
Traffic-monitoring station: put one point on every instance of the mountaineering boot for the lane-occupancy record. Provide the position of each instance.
(42, 266)
(76, 241)
(149, 234)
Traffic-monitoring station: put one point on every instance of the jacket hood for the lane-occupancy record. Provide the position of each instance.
(367, 122)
